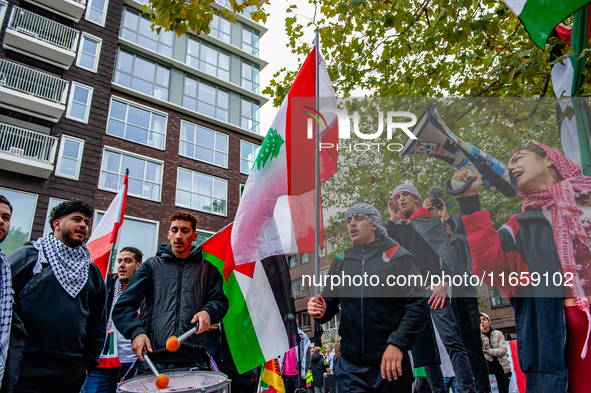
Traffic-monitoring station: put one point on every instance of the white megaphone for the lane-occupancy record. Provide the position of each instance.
(434, 139)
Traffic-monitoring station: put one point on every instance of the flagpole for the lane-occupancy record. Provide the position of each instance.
(317, 174)
(118, 225)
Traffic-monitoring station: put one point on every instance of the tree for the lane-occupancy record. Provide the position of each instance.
(181, 16)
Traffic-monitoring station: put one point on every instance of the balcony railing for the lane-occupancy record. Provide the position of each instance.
(43, 29)
(33, 82)
(29, 144)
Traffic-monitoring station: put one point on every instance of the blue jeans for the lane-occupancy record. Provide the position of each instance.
(451, 383)
(104, 380)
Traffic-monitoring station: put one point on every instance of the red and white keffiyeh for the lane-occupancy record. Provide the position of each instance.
(566, 224)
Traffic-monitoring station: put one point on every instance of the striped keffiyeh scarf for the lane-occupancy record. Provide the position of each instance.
(560, 198)
(6, 301)
(70, 265)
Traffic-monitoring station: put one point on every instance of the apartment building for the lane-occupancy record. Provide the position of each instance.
(88, 90)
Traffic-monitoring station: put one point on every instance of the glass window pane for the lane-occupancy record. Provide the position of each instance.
(124, 62)
(78, 111)
(221, 142)
(208, 110)
(130, 20)
(201, 202)
(139, 117)
(190, 87)
(202, 153)
(158, 123)
(219, 189)
(135, 166)
(184, 180)
(136, 134)
(144, 69)
(245, 149)
(135, 187)
(89, 46)
(115, 127)
(87, 60)
(68, 167)
(71, 149)
(23, 212)
(140, 234)
(183, 198)
(163, 77)
(201, 184)
(221, 159)
(206, 93)
(118, 110)
(111, 161)
(187, 131)
(204, 137)
(153, 172)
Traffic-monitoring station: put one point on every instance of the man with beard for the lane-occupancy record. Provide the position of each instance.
(117, 358)
(5, 285)
(60, 298)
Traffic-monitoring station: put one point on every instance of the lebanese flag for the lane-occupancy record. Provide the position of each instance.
(107, 230)
(567, 79)
(275, 215)
(260, 324)
(540, 17)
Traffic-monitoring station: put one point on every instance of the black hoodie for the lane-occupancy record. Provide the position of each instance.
(171, 291)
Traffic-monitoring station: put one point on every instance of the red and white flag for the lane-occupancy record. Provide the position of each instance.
(107, 230)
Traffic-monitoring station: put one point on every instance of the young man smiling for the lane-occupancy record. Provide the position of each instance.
(60, 298)
(180, 289)
(379, 323)
(423, 234)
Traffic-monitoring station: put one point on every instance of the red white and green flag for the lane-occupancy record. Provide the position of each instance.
(260, 322)
(274, 216)
(567, 80)
(107, 230)
(540, 17)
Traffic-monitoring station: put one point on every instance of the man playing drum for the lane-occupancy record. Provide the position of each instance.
(180, 289)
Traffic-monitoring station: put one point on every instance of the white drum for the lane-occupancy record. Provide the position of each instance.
(179, 381)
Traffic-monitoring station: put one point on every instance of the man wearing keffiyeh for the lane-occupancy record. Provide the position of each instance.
(5, 286)
(60, 300)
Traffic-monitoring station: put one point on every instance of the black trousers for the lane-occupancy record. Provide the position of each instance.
(33, 379)
(353, 378)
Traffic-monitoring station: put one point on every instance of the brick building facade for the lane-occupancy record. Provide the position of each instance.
(88, 90)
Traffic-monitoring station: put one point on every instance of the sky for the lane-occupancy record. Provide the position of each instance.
(273, 47)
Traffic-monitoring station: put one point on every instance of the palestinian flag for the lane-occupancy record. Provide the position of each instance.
(567, 79)
(260, 323)
(274, 216)
(271, 377)
(540, 17)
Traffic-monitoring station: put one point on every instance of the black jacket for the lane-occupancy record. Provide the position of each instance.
(318, 369)
(63, 332)
(171, 292)
(374, 316)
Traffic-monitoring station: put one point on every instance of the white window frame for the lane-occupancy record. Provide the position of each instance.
(199, 60)
(331, 243)
(255, 78)
(3, 8)
(104, 16)
(99, 42)
(47, 226)
(34, 209)
(322, 250)
(210, 196)
(156, 37)
(214, 149)
(254, 115)
(79, 159)
(153, 82)
(139, 156)
(156, 229)
(302, 258)
(143, 107)
(90, 90)
(217, 88)
(253, 161)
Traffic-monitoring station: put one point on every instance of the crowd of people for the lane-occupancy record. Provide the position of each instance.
(64, 327)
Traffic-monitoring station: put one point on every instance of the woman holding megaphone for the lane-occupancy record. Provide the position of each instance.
(541, 259)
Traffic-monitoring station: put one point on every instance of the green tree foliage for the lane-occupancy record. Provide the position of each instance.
(182, 16)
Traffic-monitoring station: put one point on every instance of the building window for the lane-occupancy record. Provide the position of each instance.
(250, 76)
(138, 29)
(323, 274)
(208, 59)
(201, 237)
(206, 99)
(249, 115)
(136, 232)
(21, 221)
(304, 258)
(220, 28)
(242, 189)
(203, 144)
(53, 202)
(248, 154)
(322, 250)
(79, 102)
(333, 245)
(298, 290)
(293, 261)
(137, 123)
(333, 323)
(89, 52)
(142, 75)
(303, 320)
(250, 41)
(96, 11)
(497, 299)
(3, 8)
(69, 157)
(145, 174)
(201, 192)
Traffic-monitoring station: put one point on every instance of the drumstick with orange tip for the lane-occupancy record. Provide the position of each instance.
(161, 380)
(173, 343)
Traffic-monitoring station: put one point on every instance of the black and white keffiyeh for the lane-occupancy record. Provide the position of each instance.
(6, 300)
(70, 265)
(117, 290)
(368, 211)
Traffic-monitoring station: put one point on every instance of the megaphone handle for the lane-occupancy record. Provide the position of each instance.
(458, 187)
